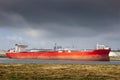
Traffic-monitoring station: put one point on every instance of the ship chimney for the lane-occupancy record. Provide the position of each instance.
(55, 47)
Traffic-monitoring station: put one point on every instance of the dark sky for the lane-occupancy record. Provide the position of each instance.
(81, 23)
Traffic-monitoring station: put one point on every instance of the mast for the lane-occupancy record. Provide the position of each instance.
(55, 46)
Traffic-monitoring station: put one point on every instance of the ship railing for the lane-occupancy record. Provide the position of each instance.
(102, 46)
(85, 49)
(63, 50)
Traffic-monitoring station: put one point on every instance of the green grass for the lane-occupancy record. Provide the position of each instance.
(59, 72)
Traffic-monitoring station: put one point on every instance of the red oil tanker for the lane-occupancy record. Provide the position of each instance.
(101, 53)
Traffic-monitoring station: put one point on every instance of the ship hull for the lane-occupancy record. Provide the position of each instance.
(90, 55)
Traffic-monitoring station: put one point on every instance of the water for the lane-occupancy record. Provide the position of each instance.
(7, 60)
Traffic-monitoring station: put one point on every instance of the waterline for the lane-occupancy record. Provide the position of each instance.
(7, 60)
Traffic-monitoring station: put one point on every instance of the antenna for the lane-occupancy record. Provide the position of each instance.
(97, 46)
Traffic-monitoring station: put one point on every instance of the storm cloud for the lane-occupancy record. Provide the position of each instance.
(84, 20)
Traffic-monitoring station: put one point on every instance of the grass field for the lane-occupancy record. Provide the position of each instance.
(59, 72)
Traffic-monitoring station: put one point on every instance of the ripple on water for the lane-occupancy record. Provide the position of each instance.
(7, 60)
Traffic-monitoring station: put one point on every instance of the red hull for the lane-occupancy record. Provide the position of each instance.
(89, 55)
